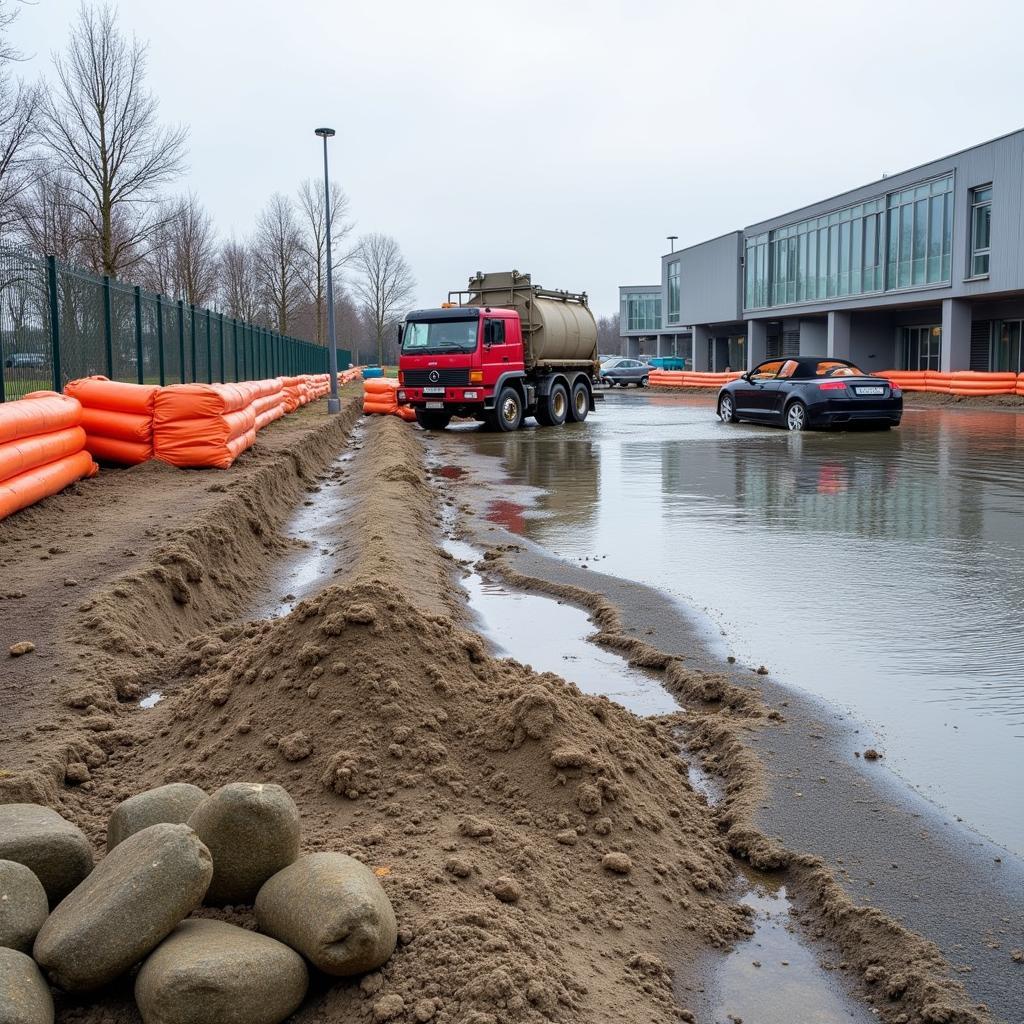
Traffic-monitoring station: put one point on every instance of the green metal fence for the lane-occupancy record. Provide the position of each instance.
(58, 322)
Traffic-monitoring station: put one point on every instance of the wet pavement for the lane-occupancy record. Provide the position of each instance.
(883, 572)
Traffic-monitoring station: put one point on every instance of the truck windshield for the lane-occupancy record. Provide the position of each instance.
(440, 336)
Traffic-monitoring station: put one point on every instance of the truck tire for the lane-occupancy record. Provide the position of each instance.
(553, 408)
(508, 410)
(579, 402)
(430, 419)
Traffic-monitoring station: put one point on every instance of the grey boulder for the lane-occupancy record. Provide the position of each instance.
(211, 971)
(252, 831)
(56, 851)
(173, 803)
(133, 899)
(23, 906)
(24, 995)
(333, 910)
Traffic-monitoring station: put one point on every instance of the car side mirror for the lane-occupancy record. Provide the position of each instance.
(746, 376)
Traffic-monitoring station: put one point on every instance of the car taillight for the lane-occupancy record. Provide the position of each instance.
(895, 391)
(832, 385)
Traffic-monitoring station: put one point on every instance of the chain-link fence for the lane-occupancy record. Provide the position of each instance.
(58, 323)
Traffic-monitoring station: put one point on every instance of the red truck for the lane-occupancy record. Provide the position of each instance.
(500, 351)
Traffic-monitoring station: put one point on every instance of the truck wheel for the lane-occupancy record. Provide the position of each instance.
(579, 402)
(553, 409)
(428, 419)
(509, 409)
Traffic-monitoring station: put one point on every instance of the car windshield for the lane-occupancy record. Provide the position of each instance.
(440, 336)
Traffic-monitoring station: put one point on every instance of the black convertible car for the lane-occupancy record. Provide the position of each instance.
(810, 391)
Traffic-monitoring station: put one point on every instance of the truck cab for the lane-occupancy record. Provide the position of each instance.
(481, 361)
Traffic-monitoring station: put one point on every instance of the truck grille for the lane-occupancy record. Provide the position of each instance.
(449, 377)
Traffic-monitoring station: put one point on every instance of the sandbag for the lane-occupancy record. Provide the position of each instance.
(100, 393)
(406, 412)
(123, 453)
(42, 412)
(27, 488)
(29, 452)
(122, 426)
(210, 425)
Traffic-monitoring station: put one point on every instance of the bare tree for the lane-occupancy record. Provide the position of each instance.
(19, 107)
(278, 249)
(609, 339)
(101, 124)
(48, 219)
(239, 282)
(384, 286)
(313, 267)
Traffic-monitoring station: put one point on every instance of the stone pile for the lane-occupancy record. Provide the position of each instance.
(66, 923)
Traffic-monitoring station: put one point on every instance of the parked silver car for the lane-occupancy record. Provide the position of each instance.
(624, 371)
(25, 360)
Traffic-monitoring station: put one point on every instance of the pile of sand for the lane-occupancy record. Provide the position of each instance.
(486, 796)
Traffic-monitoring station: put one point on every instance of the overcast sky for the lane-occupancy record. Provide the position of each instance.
(563, 138)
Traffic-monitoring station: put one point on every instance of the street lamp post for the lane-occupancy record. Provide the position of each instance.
(672, 241)
(334, 402)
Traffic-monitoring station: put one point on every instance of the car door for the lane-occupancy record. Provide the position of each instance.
(778, 390)
(755, 392)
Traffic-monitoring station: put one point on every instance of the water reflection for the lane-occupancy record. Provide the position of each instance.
(883, 571)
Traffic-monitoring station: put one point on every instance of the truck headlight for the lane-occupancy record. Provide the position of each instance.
(401, 396)
(469, 394)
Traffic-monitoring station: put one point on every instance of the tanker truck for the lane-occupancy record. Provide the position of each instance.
(499, 351)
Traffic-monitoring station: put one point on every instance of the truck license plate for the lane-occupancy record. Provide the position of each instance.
(435, 405)
(433, 391)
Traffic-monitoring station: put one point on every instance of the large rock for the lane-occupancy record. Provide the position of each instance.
(252, 831)
(23, 907)
(213, 971)
(133, 899)
(24, 995)
(332, 910)
(56, 851)
(173, 803)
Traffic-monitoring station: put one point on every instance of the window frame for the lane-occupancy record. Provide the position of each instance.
(974, 252)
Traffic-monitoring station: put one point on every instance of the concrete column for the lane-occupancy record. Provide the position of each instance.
(657, 346)
(632, 347)
(956, 335)
(701, 363)
(838, 341)
(757, 343)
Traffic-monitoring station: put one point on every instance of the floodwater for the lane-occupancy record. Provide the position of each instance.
(883, 572)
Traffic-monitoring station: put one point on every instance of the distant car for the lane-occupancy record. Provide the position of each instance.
(810, 391)
(25, 360)
(623, 371)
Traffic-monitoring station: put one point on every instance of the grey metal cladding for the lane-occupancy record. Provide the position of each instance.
(710, 280)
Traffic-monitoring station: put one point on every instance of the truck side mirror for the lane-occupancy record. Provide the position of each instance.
(400, 325)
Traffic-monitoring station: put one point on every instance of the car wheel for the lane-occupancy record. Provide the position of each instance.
(509, 409)
(579, 402)
(644, 381)
(727, 409)
(796, 416)
(553, 408)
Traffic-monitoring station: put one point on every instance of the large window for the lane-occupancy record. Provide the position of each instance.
(643, 311)
(981, 230)
(847, 252)
(673, 292)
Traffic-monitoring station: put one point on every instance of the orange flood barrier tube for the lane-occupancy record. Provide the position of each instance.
(39, 413)
(28, 453)
(205, 425)
(26, 489)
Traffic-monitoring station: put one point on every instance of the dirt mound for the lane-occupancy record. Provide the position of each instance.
(485, 795)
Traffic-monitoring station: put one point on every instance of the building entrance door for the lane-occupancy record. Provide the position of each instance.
(922, 347)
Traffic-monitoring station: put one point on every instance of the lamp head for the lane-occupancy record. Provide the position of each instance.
(325, 133)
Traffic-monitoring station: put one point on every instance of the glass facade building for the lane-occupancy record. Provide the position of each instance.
(899, 240)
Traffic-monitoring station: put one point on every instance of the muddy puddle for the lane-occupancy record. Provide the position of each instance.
(315, 527)
(774, 977)
(510, 620)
